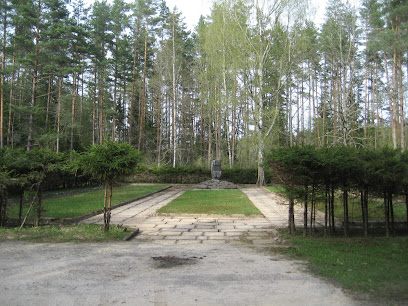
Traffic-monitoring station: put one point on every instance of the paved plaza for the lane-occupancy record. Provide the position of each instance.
(192, 229)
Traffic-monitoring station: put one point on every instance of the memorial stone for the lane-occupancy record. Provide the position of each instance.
(216, 169)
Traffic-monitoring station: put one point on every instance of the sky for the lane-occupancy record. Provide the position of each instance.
(193, 9)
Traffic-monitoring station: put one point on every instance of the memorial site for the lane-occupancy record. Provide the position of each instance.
(203, 152)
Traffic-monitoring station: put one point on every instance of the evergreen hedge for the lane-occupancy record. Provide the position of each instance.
(193, 175)
(309, 171)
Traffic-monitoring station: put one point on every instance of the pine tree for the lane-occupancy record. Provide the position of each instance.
(101, 22)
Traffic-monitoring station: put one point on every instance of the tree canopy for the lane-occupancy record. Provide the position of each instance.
(248, 78)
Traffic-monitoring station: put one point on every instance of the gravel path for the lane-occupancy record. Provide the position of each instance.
(140, 273)
(190, 260)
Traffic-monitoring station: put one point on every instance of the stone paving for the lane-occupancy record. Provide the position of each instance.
(276, 209)
(189, 229)
(205, 229)
(132, 213)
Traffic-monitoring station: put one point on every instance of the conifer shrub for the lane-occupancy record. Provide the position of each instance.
(310, 174)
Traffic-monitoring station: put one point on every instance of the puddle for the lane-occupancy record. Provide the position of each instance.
(165, 262)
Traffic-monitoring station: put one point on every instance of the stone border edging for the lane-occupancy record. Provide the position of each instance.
(97, 212)
(131, 235)
(215, 216)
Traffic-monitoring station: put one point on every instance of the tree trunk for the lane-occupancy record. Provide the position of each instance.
(401, 96)
(124, 108)
(386, 215)
(209, 151)
(392, 106)
(292, 228)
(326, 198)
(94, 111)
(20, 211)
(216, 128)
(3, 207)
(143, 110)
(59, 112)
(81, 103)
(363, 211)
(133, 95)
(173, 125)
(234, 123)
(115, 97)
(101, 95)
(10, 117)
(3, 67)
(39, 207)
(49, 97)
(109, 206)
(34, 81)
(305, 212)
(391, 213)
(332, 210)
(159, 133)
(406, 206)
(106, 212)
(74, 81)
(345, 207)
(366, 102)
(312, 212)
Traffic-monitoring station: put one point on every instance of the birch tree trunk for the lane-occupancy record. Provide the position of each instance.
(173, 126)
(143, 100)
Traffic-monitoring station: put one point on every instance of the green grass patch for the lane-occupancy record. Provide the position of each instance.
(375, 206)
(220, 202)
(76, 205)
(276, 189)
(53, 234)
(374, 266)
(375, 209)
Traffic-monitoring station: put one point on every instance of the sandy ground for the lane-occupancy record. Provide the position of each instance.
(143, 273)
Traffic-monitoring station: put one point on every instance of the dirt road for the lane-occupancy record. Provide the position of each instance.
(142, 273)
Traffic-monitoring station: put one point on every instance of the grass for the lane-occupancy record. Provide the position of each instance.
(76, 205)
(375, 209)
(54, 234)
(222, 202)
(276, 189)
(377, 267)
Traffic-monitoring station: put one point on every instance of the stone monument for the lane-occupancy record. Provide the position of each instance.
(215, 182)
(216, 169)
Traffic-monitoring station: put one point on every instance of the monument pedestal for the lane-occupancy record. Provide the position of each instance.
(216, 183)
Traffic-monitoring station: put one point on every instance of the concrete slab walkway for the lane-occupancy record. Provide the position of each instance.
(129, 214)
(193, 229)
(190, 229)
(276, 208)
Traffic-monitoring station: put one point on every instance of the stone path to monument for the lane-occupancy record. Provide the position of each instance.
(193, 229)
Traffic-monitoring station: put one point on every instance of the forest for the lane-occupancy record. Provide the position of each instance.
(252, 75)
